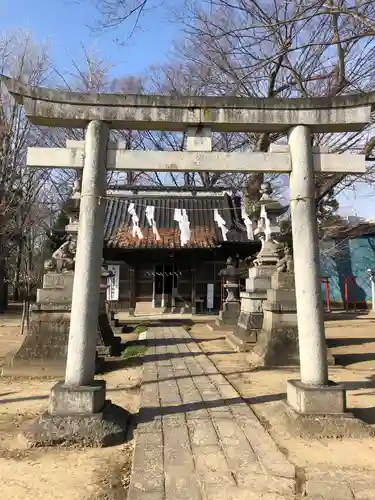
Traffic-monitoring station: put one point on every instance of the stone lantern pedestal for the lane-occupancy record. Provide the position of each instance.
(231, 308)
(250, 319)
(277, 343)
(228, 316)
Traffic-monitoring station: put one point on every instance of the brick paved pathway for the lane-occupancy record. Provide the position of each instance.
(196, 438)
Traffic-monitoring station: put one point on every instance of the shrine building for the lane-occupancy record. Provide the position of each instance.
(166, 247)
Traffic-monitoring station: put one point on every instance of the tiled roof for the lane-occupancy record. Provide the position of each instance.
(350, 231)
(200, 210)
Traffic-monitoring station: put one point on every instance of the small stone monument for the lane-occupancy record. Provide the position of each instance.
(231, 307)
(277, 342)
(47, 335)
(48, 332)
(260, 271)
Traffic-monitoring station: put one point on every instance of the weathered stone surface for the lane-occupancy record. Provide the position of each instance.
(107, 428)
(328, 490)
(312, 426)
(65, 400)
(148, 468)
(211, 466)
(229, 315)
(318, 400)
(277, 342)
(265, 483)
(181, 484)
(54, 281)
(47, 337)
(199, 438)
(250, 318)
(74, 110)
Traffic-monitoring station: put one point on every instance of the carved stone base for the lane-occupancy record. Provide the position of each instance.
(276, 347)
(277, 343)
(229, 315)
(47, 336)
(250, 319)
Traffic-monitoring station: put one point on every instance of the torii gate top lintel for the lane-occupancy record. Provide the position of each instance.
(60, 108)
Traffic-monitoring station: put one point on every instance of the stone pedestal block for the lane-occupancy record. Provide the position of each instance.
(48, 332)
(316, 400)
(228, 317)
(250, 319)
(83, 400)
(58, 281)
(53, 296)
(277, 342)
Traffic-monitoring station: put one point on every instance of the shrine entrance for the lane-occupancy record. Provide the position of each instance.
(198, 117)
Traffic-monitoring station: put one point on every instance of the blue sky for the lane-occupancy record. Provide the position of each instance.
(66, 24)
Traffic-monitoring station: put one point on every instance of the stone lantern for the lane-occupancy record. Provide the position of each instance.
(262, 268)
(231, 308)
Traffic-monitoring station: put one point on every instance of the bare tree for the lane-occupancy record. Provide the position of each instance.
(270, 48)
(281, 49)
(27, 62)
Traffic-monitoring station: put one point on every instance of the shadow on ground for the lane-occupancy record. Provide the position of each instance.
(343, 342)
(352, 358)
(148, 414)
(348, 316)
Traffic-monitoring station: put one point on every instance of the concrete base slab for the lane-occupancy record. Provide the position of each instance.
(65, 400)
(327, 399)
(107, 428)
(241, 342)
(313, 426)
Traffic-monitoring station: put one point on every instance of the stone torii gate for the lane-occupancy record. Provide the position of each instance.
(200, 116)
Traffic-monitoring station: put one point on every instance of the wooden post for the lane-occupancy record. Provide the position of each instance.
(154, 288)
(162, 292)
(132, 295)
(173, 287)
(193, 293)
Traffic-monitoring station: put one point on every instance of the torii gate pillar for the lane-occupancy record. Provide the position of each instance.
(80, 366)
(80, 393)
(313, 394)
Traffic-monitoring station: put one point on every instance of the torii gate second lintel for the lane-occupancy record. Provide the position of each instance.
(277, 160)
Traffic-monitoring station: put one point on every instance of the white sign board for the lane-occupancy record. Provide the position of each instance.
(113, 290)
(210, 295)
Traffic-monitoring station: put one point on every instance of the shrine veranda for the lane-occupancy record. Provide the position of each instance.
(199, 116)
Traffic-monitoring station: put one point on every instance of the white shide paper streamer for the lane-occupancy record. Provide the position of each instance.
(221, 223)
(248, 223)
(181, 217)
(150, 215)
(135, 219)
